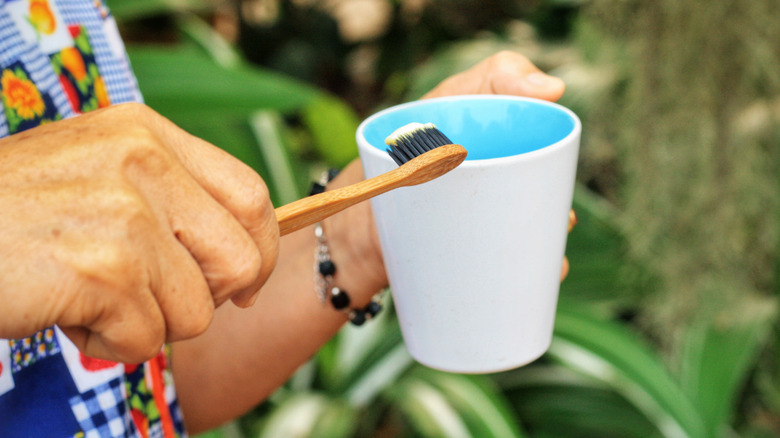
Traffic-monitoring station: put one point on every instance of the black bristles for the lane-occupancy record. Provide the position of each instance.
(397, 160)
(413, 140)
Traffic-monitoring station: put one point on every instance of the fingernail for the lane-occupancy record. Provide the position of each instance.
(540, 79)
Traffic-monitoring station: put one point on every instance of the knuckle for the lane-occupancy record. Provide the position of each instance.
(128, 206)
(136, 335)
(255, 198)
(189, 318)
(134, 110)
(199, 319)
(270, 254)
(244, 270)
(149, 349)
(114, 250)
(508, 62)
(507, 57)
(144, 154)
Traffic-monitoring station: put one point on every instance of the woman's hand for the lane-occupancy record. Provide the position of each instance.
(289, 324)
(126, 232)
(506, 73)
(503, 73)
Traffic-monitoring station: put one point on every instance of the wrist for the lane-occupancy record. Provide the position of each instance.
(354, 248)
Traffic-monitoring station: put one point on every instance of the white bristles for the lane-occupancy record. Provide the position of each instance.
(406, 131)
(413, 140)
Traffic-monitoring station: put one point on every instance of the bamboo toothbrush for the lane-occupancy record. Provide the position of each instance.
(422, 153)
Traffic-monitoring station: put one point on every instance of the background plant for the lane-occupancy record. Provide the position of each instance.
(667, 322)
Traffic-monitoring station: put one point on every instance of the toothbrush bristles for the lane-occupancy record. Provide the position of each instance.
(413, 140)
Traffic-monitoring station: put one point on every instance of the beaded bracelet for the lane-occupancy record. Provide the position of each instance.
(325, 269)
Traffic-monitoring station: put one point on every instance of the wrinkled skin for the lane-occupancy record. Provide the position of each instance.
(126, 232)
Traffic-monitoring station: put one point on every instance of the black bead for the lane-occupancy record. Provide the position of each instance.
(316, 188)
(373, 308)
(332, 173)
(357, 317)
(327, 267)
(339, 298)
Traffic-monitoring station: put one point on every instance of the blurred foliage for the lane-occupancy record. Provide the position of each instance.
(667, 323)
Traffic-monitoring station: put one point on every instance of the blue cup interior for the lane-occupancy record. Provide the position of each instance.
(487, 126)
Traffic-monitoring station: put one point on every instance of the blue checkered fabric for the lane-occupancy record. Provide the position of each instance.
(101, 411)
(13, 44)
(10, 50)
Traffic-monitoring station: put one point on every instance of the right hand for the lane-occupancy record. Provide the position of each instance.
(126, 232)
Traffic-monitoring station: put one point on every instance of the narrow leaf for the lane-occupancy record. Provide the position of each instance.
(555, 401)
(609, 352)
(306, 414)
(267, 127)
(716, 361)
(125, 10)
(482, 407)
(333, 124)
(427, 409)
(184, 80)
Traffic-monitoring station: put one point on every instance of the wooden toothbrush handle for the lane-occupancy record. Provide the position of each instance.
(307, 211)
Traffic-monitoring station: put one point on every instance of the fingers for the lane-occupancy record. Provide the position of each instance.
(125, 287)
(565, 266)
(503, 73)
(572, 219)
(242, 193)
(126, 232)
(228, 257)
(183, 293)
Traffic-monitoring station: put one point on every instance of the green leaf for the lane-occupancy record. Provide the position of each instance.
(218, 104)
(185, 84)
(233, 134)
(477, 400)
(596, 253)
(267, 127)
(306, 414)
(125, 10)
(383, 373)
(359, 363)
(230, 430)
(558, 402)
(333, 124)
(717, 358)
(207, 38)
(338, 419)
(427, 409)
(611, 353)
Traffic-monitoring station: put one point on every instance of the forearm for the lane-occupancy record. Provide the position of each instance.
(246, 354)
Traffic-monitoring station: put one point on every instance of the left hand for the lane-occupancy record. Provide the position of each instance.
(503, 73)
(288, 325)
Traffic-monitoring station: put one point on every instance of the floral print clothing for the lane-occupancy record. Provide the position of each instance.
(58, 59)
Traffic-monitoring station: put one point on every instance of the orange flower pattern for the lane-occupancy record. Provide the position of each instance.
(24, 104)
(76, 70)
(78, 73)
(42, 17)
(21, 95)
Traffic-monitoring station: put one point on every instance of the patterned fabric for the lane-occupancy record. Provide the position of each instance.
(58, 59)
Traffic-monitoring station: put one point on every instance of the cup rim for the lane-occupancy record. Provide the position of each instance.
(551, 148)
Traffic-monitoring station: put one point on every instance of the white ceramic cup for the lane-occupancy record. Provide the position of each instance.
(474, 257)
